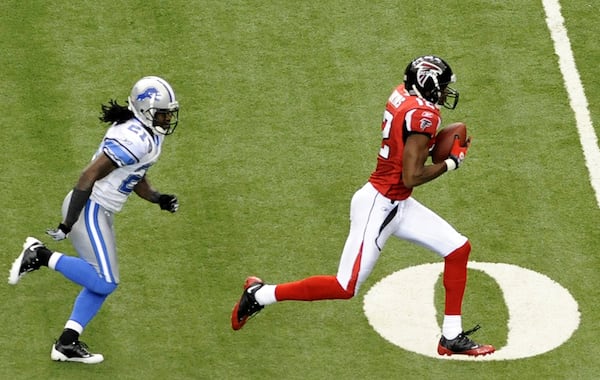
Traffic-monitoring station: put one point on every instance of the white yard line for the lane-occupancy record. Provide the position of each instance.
(577, 99)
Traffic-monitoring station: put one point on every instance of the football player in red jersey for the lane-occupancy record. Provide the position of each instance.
(383, 207)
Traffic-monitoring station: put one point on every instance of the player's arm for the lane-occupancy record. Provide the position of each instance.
(145, 191)
(99, 168)
(414, 170)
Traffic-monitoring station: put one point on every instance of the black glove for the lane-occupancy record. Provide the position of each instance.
(168, 202)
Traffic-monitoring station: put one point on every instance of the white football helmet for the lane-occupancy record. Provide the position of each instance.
(152, 101)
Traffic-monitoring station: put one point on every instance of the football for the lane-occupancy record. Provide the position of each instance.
(444, 140)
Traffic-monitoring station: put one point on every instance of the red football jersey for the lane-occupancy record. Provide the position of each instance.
(404, 114)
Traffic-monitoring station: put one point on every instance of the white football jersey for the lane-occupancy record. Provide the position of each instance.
(134, 150)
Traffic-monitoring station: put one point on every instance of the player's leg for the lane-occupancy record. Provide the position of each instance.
(96, 270)
(373, 219)
(425, 228)
(35, 255)
(369, 210)
(370, 217)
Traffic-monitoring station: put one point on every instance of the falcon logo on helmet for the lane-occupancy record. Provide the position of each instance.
(427, 71)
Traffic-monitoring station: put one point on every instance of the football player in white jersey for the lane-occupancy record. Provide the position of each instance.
(131, 145)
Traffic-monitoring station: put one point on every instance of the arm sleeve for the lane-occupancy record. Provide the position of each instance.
(78, 200)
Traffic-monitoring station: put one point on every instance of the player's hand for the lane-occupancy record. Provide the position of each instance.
(168, 202)
(458, 152)
(59, 233)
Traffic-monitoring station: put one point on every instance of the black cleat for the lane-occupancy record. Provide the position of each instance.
(74, 352)
(462, 345)
(247, 306)
(28, 260)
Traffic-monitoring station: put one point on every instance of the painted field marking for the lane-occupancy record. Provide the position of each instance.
(401, 309)
(577, 98)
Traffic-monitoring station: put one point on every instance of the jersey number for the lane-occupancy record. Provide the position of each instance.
(129, 183)
(386, 128)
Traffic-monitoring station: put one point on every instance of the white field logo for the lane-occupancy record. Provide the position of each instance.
(542, 314)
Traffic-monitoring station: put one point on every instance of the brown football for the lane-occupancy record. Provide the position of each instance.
(444, 140)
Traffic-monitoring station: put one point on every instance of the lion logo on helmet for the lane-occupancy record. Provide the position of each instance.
(149, 93)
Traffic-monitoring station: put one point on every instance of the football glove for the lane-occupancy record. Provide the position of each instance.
(457, 154)
(59, 233)
(168, 202)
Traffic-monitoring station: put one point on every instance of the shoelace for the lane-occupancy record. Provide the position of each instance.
(469, 332)
(32, 265)
(464, 340)
(254, 307)
(83, 348)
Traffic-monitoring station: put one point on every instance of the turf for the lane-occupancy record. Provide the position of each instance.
(281, 108)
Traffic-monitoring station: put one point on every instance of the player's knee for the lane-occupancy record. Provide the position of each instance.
(101, 286)
(461, 253)
(347, 294)
(110, 287)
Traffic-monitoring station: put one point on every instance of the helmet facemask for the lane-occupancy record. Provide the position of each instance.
(449, 98)
(163, 121)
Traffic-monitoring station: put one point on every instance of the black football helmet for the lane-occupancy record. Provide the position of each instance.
(428, 77)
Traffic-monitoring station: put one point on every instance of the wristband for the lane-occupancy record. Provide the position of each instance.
(64, 228)
(450, 164)
(155, 197)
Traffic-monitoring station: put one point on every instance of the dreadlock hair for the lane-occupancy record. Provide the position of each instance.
(114, 112)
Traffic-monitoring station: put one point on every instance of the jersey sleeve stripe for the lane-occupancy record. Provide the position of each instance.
(118, 153)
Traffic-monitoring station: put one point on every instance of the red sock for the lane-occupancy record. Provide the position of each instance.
(312, 289)
(455, 278)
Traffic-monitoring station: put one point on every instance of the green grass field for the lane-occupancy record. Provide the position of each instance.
(281, 105)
